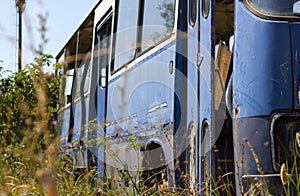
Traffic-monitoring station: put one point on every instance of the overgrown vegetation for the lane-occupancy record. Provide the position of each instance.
(27, 144)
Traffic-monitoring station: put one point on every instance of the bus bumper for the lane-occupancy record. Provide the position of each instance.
(262, 146)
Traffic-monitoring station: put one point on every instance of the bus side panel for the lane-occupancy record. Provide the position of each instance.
(140, 101)
(262, 65)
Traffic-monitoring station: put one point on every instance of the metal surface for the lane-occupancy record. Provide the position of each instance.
(295, 40)
(262, 72)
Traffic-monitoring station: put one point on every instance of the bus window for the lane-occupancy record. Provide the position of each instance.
(83, 55)
(79, 75)
(126, 32)
(158, 21)
(205, 8)
(82, 79)
(276, 7)
(193, 12)
(68, 88)
(102, 49)
(88, 77)
(66, 73)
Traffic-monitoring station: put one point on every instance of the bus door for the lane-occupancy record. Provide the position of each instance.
(77, 106)
(216, 28)
(81, 102)
(193, 37)
(81, 92)
(101, 61)
(64, 115)
(84, 78)
(206, 93)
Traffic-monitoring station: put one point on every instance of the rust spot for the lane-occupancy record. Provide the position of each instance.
(237, 110)
(284, 64)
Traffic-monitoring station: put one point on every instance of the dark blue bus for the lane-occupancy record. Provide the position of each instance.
(201, 94)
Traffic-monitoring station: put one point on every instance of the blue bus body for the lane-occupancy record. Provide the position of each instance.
(265, 94)
(197, 89)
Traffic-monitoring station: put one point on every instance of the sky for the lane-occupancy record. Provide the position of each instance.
(62, 18)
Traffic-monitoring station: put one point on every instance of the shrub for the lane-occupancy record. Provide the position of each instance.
(29, 101)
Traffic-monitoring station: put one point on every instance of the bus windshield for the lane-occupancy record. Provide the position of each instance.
(276, 7)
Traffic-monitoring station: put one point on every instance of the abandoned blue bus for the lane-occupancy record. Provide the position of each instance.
(199, 93)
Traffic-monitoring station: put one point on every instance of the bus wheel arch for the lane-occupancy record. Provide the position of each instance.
(156, 168)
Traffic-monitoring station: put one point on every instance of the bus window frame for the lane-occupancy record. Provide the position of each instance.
(268, 16)
(85, 66)
(138, 52)
(114, 31)
(109, 15)
(142, 30)
(64, 69)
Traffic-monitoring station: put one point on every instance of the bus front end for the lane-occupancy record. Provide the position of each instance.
(266, 96)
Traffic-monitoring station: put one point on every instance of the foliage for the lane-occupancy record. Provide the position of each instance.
(28, 104)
